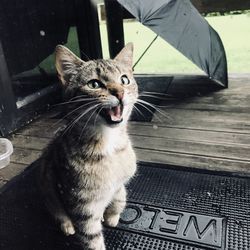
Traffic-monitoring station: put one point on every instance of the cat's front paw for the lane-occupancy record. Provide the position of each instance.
(68, 228)
(111, 220)
(96, 243)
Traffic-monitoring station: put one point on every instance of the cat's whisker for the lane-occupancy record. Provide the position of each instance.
(79, 96)
(87, 111)
(159, 106)
(71, 112)
(154, 107)
(89, 120)
(157, 97)
(163, 97)
(72, 124)
(149, 110)
(151, 96)
(97, 115)
(156, 93)
(68, 114)
(75, 101)
(138, 111)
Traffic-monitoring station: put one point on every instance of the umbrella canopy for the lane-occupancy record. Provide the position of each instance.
(181, 25)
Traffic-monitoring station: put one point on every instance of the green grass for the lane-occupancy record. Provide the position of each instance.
(49, 63)
(162, 58)
(235, 34)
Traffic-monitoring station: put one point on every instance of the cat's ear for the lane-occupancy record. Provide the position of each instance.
(67, 63)
(125, 56)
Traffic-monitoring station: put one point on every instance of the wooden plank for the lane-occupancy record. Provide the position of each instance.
(186, 160)
(25, 137)
(172, 158)
(220, 98)
(209, 107)
(225, 100)
(206, 120)
(238, 97)
(155, 129)
(151, 154)
(29, 142)
(40, 130)
(157, 132)
(230, 100)
(25, 156)
(176, 118)
(183, 134)
(234, 99)
(228, 151)
(11, 170)
(216, 144)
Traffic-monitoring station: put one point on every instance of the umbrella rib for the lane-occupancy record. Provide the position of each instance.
(145, 51)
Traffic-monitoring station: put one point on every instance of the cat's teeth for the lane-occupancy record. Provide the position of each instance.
(116, 113)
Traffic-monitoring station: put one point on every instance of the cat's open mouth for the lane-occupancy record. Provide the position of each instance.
(113, 114)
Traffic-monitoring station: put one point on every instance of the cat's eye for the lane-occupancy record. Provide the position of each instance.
(125, 80)
(94, 84)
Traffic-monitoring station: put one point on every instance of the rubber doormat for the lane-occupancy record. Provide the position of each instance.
(168, 208)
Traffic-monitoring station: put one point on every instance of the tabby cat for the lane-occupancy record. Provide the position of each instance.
(85, 168)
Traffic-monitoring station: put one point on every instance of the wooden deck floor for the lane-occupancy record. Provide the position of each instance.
(211, 131)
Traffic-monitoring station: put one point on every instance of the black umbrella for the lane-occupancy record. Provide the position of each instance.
(181, 25)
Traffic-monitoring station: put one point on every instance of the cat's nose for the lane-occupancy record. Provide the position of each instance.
(118, 94)
(117, 91)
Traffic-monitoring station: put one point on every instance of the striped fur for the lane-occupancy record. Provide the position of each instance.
(85, 168)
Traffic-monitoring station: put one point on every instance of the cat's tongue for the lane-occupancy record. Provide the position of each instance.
(115, 113)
